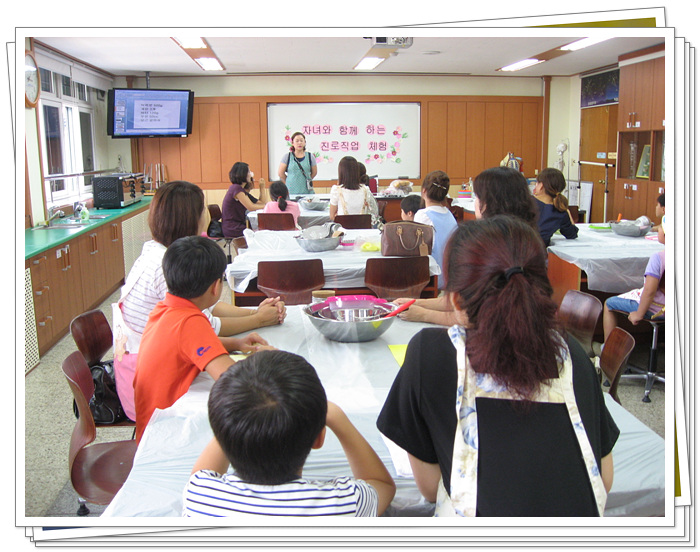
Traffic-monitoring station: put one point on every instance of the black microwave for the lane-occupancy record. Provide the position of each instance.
(117, 190)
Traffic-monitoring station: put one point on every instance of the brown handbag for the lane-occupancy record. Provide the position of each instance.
(407, 239)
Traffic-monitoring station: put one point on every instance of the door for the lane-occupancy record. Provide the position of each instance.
(599, 145)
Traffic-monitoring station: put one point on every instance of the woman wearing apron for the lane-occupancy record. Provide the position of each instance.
(298, 168)
(500, 414)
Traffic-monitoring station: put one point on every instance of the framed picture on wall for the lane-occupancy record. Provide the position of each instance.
(644, 162)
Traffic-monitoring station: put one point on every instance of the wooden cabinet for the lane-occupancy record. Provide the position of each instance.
(102, 266)
(640, 172)
(641, 99)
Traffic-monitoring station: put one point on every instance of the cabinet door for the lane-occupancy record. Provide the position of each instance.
(114, 254)
(658, 94)
(655, 189)
(625, 104)
(65, 280)
(630, 199)
(90, 249)
(644, 78)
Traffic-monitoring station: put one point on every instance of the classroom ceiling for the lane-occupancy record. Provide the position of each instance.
(161, 56)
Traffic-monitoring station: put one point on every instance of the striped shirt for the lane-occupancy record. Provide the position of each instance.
(149, 288)
(209, 494)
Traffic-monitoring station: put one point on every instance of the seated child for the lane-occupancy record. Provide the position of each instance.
(409, 206)
(280, 201)
(647, 302)
(267, 412)
(178, 341)
(660, 211)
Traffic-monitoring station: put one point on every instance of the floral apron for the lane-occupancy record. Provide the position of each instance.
(470, 385)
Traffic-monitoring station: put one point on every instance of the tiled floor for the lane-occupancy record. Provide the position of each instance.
(50, 421)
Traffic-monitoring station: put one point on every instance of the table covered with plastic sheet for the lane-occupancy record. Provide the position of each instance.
(356, 376)
(343, 267)
(612, 263)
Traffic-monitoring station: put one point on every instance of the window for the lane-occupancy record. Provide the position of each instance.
(67, 127)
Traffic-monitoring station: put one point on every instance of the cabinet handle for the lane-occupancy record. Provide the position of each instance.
(115, 233)
(39, 260)
(93, 239)
(41, 290)
(43, 321)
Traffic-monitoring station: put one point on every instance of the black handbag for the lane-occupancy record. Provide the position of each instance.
(105, 405)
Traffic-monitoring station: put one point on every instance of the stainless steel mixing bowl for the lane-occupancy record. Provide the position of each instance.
(350, 324)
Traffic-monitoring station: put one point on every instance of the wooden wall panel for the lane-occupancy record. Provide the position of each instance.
(436, 137)
(251, 132)
(493, 135)
(456, 139)
(529, 150)
(460, 135)
(191, 153)
(170, 157)
(475, 142)
(209, 140)
(230, 129)
(513, 128)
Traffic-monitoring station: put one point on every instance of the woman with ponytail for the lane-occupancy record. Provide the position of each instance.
(553, 206)
(279, 196)
(531, 435)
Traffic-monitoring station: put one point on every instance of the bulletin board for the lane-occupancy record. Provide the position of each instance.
(384, 136)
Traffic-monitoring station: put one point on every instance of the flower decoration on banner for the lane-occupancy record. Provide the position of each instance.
(391, 153)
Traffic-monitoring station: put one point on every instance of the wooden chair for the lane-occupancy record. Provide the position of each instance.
(239, 243)
(650, 375)
(93, 337)
(215, 215)
(394, 277)
(351, 222)
(457, 212)
(97, 472)
(276, 221)
(578, 314)
(381, 207)
(293, 281)
(613, 359)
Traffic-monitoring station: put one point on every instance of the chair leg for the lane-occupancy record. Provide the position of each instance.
(649, 375)
(82, 509)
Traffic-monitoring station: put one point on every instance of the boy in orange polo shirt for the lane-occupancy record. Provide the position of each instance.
(178, 342)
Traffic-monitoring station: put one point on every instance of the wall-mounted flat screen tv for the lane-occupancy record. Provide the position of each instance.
(149, 112)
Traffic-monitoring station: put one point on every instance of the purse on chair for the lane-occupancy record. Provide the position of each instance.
(407, 239)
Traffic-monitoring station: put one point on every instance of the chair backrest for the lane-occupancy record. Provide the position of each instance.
(457, 212)
(372, 185)
(351, 222)
(214, 211)
(573, 209)
(276, 221)
(79, 377)
(381, 207)
(617, 349)
(239, 243)
(92, 335)
(578, 314)
(394, 277)
(293, 281)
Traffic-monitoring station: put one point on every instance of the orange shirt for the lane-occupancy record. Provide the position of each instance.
(177, 344)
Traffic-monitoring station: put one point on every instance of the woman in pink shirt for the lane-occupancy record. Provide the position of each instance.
(279, 194)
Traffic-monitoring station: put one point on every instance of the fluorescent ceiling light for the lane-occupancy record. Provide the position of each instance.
(521, 64)
(190, 42)
(368, 63)
(209, 64)
(583, 43)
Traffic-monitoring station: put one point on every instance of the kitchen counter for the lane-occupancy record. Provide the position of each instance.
(36, 240)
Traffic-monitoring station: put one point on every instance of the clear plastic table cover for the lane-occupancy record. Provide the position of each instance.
(357, 376)
(342, 267)
(612, 263)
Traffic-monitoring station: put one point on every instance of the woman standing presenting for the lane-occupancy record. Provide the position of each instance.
(238, 200)
(298, 168)
(500, 414)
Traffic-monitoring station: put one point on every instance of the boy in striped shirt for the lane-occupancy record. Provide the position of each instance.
(267, 412)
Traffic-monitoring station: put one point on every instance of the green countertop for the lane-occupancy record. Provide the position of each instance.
(36, 240)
